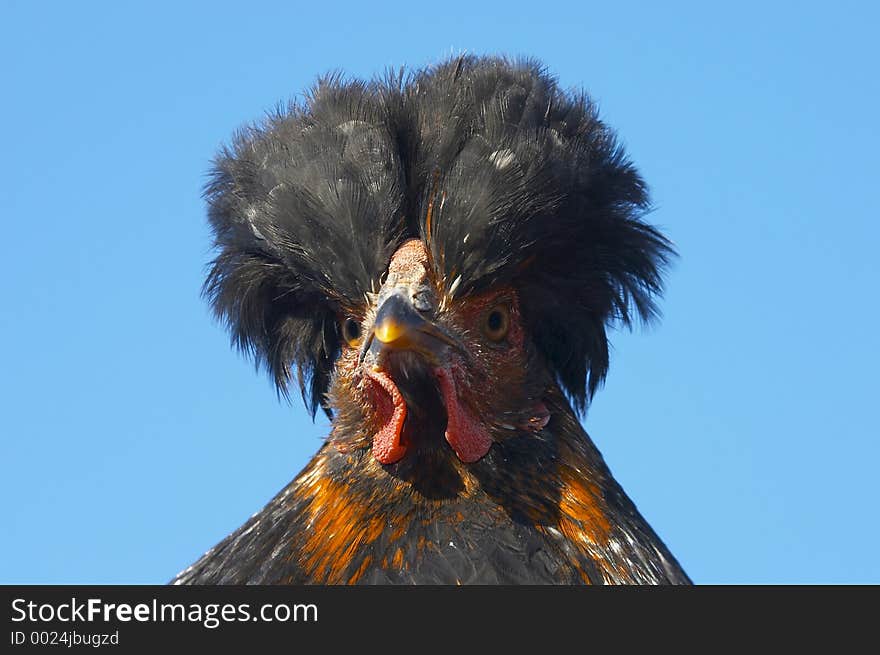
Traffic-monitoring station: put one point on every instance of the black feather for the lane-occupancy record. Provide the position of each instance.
(509, 179)
(535, 191)
(306, 213)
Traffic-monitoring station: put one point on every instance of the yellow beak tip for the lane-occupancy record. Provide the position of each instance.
(389, 331)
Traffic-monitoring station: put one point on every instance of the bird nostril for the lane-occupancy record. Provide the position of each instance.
(421, 301)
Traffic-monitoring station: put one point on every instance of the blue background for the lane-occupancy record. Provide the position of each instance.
(743, 425)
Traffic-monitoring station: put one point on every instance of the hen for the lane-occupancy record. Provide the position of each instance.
(434, 258)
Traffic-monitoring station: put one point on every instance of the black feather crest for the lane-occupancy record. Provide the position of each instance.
(535, 191)
(305, 211)
(509, 180)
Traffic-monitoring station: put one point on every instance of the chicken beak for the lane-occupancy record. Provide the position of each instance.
(397, 322)
(399, 326)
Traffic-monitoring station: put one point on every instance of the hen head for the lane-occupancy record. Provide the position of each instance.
(433, 256)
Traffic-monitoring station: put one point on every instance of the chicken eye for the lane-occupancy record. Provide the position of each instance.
(497, 323)
(351, 331)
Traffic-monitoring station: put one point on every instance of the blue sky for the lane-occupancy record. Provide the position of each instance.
(743, 425)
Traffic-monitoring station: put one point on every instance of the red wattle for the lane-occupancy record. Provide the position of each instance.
(387, 448)
(465, 433)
